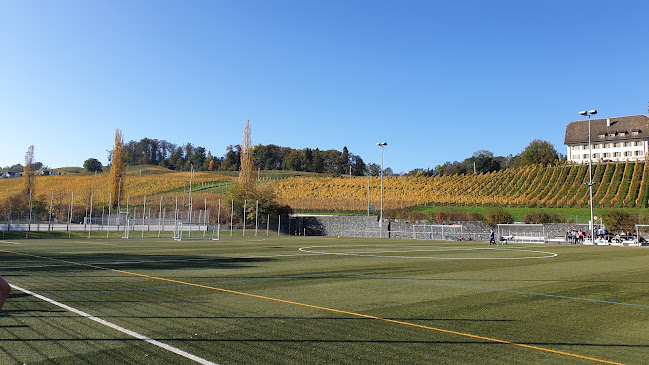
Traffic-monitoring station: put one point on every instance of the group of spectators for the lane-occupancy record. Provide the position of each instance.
(576, 237)
(602, 232)
(618, 237)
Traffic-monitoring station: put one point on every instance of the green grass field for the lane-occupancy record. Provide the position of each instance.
(575, 215)
(305, 300)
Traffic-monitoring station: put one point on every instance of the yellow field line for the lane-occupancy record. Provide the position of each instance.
(354, 314)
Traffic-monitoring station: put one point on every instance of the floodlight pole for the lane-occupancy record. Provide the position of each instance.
(382, 145)
(591, 224)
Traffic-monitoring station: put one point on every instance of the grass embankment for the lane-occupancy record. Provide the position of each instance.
(574, 215)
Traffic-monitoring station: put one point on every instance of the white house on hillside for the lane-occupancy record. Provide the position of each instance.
(612, 139)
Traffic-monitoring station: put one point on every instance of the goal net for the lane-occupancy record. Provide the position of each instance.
(197, 231)
(519, 232)
(441, 232)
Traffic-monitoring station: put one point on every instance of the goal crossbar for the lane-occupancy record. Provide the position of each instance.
(522, 232)
(197, 231)
(443, 232)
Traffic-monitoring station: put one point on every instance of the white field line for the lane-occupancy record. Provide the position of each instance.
(175, 350)
(386, 252)
(14, 243)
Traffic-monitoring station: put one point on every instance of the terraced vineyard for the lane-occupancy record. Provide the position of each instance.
(619, 185)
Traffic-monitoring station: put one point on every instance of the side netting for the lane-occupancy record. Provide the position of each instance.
(519, 232)
(197, 231)
(437, 232)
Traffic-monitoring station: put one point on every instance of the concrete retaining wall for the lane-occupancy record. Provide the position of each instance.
(362, 226)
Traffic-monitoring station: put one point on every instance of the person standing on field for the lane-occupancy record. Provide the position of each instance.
(5, 289)
(492, 238)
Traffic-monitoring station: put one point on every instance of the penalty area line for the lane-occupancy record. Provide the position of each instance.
(170, 348)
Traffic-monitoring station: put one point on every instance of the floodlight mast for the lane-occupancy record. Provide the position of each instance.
(382, 145)
(591, 224)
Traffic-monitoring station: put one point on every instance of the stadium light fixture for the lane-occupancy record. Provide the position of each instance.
(382, 145)
(591, 224)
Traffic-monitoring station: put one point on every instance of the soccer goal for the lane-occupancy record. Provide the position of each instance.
(197, 231)
(441, 232)
(642, 234)
(519, 232)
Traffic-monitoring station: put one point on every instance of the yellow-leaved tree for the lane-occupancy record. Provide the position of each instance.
(247, 173)
(117, 169)
(255, 199)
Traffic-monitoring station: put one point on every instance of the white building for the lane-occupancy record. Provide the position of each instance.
(612, 139)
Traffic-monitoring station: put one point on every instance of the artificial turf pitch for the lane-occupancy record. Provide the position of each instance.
(290, 300)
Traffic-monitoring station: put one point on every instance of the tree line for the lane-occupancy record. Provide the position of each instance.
(273, 157)
(266, 157)
(483, 161)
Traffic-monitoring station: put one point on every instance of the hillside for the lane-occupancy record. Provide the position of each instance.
(616, 185)
(564, 186)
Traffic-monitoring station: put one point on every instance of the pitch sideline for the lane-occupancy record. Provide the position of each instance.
(170, 348)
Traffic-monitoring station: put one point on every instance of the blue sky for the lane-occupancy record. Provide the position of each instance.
(437, 80)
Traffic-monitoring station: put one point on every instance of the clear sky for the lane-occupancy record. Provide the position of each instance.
(437, 80)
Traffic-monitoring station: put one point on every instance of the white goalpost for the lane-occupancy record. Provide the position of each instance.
(519, 232)
(440, 232)
(641, 234)
(127, 229)
(197, 231)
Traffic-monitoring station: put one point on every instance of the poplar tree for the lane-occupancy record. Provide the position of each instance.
(28, 173)
(117, 168)
(247, 173)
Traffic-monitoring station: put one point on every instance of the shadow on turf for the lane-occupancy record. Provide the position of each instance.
(289, 341)
(127, 261)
